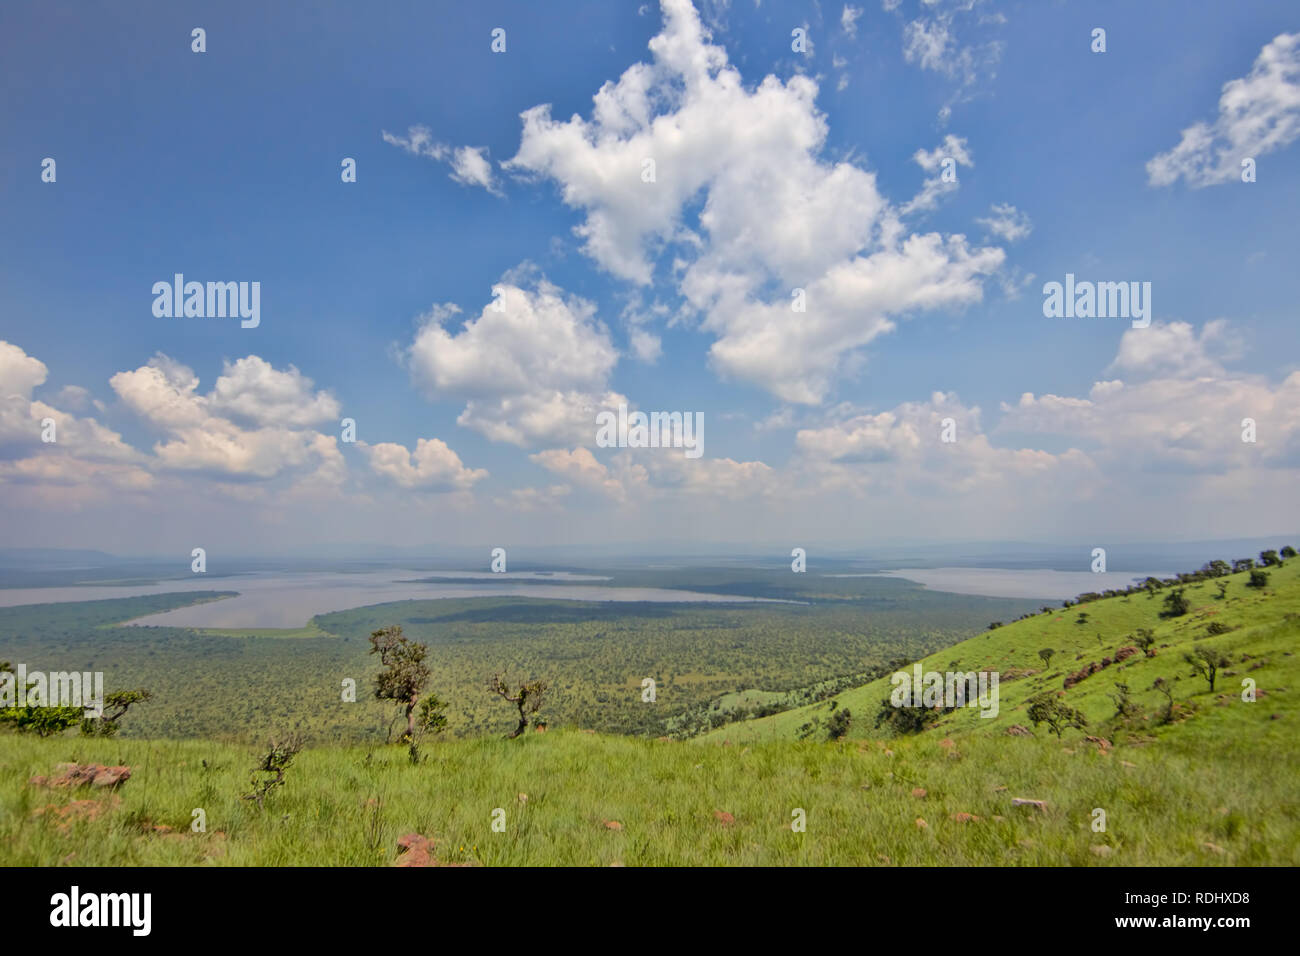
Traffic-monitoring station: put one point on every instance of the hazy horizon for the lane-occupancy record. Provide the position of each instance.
(1120, 556)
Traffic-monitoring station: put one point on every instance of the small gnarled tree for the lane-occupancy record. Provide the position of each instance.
(528, 698)
(404, 679)
(1057, 714)
(1207, 662)
(115, 707)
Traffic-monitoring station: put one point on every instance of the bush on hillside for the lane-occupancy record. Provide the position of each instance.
(1057, 714)
(1176, 604)
(908, 720)
(1125, 707)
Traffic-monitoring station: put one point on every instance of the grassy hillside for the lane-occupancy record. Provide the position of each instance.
(1264, 625)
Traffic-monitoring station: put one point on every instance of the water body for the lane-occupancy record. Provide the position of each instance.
(1015, 582)
(278, 600)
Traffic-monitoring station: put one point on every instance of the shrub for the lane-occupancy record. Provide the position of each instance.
(907, 720)
(1176, 604)
(42, 721)
(1057, 714)
(1125, 706)
(1166, 688)
(272, 766)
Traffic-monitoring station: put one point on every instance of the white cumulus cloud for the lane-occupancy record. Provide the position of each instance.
(772, 216)
(431, 467)
(533, 366)
(1258, 114)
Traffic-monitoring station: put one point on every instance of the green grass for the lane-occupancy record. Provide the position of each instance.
(348, 805)
(308, 630)
(1215, 787)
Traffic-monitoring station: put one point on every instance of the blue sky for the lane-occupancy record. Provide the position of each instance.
(776, 169)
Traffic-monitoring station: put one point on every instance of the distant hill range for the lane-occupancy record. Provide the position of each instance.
(54, 558)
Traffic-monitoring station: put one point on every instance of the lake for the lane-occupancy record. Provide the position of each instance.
(1017, 582)
(287, 600)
